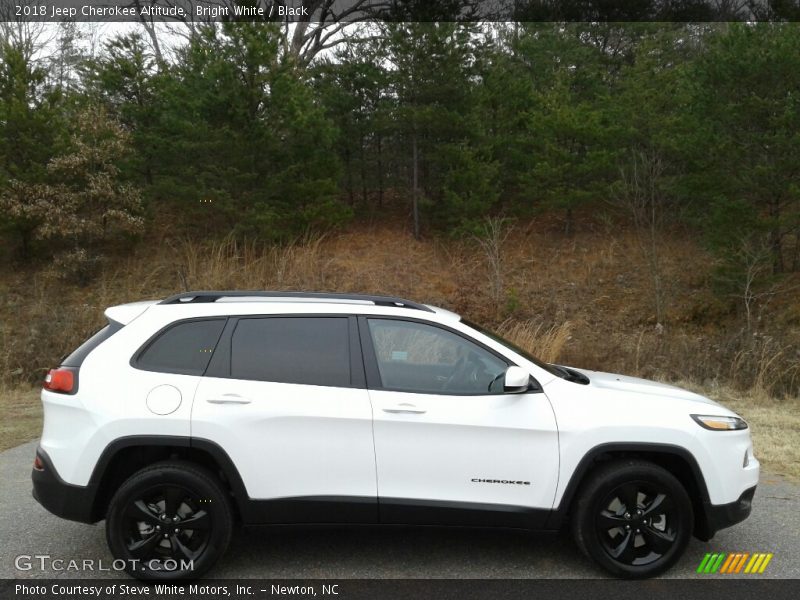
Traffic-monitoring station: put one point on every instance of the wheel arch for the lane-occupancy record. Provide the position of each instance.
(677, 460)
(124, 456)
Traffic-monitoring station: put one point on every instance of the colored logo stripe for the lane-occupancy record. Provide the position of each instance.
(735, 562)
(727, 564)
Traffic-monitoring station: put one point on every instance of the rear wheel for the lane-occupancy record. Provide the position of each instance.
(169, 521)
(633, 518)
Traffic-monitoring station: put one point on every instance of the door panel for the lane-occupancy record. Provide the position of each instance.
(439, 454)
(447, 455)
(297, 444)
(290, 440)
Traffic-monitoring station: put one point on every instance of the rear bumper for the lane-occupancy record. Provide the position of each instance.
(73, 502)
(720, 516)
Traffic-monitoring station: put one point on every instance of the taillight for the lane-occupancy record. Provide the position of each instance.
(38, 463)
(60, 380)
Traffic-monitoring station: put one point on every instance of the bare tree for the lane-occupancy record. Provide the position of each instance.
(492, 238)
(750, 282)
(28, 37)
(639, 193)
(328, 24)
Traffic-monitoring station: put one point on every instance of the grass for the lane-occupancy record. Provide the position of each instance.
(22, 416)
(586, 297)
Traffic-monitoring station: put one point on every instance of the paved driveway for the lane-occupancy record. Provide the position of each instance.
(374, 552)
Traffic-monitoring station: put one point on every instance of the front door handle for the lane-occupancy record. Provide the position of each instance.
(406, 408)
(229, 399)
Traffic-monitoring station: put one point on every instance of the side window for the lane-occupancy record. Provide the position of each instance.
(415, 357)
(306, 350)
(183, 348)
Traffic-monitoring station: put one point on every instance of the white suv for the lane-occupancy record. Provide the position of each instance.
(182, 417)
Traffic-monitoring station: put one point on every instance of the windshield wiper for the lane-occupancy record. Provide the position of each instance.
(571, 375)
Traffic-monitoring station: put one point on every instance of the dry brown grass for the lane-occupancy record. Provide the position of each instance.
(544, 342)
(583, 300)
(22, 416)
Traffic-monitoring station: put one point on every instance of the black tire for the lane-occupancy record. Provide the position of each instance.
(633, 518)
(171, 510)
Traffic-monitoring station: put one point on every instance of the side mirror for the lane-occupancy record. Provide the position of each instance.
(517, 380)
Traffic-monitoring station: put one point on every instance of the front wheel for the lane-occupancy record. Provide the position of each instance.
(633, 518)
(169, 521)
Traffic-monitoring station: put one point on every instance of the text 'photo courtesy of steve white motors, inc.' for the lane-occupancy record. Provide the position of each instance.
(189, 590)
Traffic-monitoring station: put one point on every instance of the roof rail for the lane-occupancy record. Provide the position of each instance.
(213, 296)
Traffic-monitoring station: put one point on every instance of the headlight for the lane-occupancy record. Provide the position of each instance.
(720, 423)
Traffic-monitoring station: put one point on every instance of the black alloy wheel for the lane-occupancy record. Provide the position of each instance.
(171, 520)
(637, 523)
(632, 517)
(166, 522)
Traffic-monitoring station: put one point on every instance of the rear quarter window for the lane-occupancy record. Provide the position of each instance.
(184, 348)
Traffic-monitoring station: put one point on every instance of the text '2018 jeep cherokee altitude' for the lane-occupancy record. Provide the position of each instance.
(184, 416)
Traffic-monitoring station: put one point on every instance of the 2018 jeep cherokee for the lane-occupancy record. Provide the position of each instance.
(182, 417)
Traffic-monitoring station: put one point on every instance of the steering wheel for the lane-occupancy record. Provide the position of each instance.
(497, 378)
(462, 370)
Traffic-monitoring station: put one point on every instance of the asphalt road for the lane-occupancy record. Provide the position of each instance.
(387, 552)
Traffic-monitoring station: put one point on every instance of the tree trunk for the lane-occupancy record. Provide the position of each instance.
(775, 237)
(568, 225)
(349, 169)
(415, 185)
(380, 172)
(363, 172)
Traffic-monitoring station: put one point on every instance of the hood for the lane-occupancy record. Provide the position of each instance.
(624, 383)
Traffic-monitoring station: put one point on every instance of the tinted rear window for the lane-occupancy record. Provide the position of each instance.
(183, 348)
(81, 352)
(306, 350)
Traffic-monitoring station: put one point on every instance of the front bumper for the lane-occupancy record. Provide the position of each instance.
(65, 500)
(720, 516)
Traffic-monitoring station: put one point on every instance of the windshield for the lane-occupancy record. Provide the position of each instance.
(512, 346)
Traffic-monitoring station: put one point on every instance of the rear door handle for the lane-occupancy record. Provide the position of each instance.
(405, 408)
(229, 399)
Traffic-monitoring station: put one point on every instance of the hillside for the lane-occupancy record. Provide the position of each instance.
(584, 300)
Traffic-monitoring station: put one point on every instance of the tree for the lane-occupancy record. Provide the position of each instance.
(83, 205)
(649, 124)
(744, 183)
(432, 69)
(125, 79)
(244, 137)
(353, 87)
(31, 126)
(554, 151)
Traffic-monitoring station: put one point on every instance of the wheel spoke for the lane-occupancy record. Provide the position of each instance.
(180, 550)
(144, 547)
(628, 495)
(625, 550)
(139, 511)
(658, 541)
(199, 520)
(608, 520)
(659, 505)
(173, 496)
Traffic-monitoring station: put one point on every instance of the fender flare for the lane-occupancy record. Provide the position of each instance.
(559, 513)
(213, 449)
